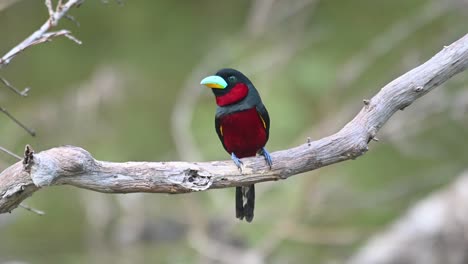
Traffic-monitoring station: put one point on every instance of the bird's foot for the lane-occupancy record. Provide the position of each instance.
(237, 161)
(267, 156)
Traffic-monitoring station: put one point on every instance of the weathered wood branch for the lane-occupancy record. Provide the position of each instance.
(42, 34)
(75, 166)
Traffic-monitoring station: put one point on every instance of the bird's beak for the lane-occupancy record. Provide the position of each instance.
(215, 82)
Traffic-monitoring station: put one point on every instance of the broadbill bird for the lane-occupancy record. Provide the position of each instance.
(242, 124)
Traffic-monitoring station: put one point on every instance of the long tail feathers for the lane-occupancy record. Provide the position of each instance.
(245, 209)
(249, 193)
(239, 203)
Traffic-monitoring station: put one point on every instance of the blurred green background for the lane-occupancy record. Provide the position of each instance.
(131, 92)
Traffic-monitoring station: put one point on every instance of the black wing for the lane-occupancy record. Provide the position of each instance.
(262, 111)
(219, 130)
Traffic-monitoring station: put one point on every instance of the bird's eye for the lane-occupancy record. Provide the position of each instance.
(232, 79)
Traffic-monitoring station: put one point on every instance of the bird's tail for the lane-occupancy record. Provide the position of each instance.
(245, 209)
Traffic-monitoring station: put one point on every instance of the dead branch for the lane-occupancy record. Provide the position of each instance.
(39, 36)
(23, 93)
(10, 153)
(42, 34)
(75, 166)
(32, 210)
(19, 123)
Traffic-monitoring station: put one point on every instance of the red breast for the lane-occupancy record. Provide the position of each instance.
(243, 132)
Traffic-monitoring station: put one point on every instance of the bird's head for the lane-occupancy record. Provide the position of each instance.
(228, 85)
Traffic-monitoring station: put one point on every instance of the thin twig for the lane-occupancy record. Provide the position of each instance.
(23, 93)
(59, 6)
(50, 35)
(33, 210)
(73, 38)
(41, 35)
(10, 153)
(48, 4)
(29, 130)
(72, 19)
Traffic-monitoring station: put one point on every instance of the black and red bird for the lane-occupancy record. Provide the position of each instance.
(242, 124)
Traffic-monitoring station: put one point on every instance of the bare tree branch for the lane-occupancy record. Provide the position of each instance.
(50, 8)
(23, 93)
(32, 210)
(29, 130)
(42, 34)
(75, 166)
(10, 153)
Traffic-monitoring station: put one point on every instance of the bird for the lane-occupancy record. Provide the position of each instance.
(243, 126)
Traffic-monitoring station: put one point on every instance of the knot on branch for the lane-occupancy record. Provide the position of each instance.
(64, 161)
(17, 190)
(372, 134)
(193, 180)
(356, 151)
(28, 158)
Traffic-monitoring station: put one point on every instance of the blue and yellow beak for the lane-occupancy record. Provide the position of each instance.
(214, 82)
